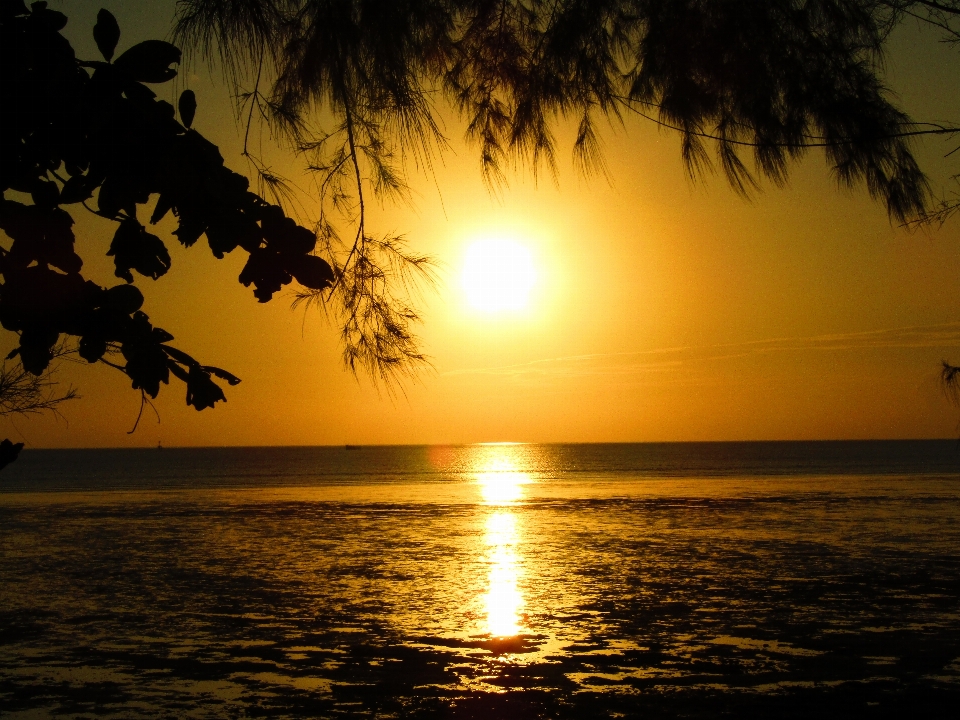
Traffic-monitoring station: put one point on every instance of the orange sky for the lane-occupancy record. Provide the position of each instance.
(663, 310)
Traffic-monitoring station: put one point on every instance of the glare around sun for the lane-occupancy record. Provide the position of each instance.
(498, 276)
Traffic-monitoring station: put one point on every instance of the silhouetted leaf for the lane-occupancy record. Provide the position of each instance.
(138, 91)
(291, 239)
(161, 335)
(222, 374)
(147, 364)
(265, 270)
(76, 189)
(230, 229)
(38, 297)
(180, 356)
(133, 248)
(106, 33)
(310, 271)
(200, 150)
(179, 371)
(189, 231)
(202, 392)
(163, 206)
(187, 106)
(74, 168)
(92, 348)
(150, 61)
(283, 234)
(35, 347)
(113, 197)
(45, 193)
(146, 367)
(125, 299)
(9, 452)
(49, 19)
(40, 234)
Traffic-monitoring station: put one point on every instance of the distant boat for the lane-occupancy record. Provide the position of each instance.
(159, 446)
(351, 447)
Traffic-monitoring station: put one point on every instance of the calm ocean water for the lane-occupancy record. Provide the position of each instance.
(487, 581)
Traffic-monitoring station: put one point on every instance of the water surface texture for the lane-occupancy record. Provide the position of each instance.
(567, 581)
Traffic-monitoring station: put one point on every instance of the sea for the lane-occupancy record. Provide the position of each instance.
(678, 580)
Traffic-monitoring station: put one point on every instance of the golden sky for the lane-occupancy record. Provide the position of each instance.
(662, 309)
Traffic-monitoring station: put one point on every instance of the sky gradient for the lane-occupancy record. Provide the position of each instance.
(664, 309)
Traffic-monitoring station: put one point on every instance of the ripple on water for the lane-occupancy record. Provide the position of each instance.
(504, 602)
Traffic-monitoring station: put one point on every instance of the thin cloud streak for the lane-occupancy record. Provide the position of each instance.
(665, 360)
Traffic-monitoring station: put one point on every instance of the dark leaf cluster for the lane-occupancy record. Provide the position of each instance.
(23, 393)
(93, 134)
(9, 452)
(741, 77)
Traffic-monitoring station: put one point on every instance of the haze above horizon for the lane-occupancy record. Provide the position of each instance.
(646, 309)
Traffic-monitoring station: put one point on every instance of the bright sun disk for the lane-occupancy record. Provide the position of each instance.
(498, 275)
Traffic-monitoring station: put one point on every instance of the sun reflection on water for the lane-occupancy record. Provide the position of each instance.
(504, 601)
(502, 484)
(498, 475)
(502, 487)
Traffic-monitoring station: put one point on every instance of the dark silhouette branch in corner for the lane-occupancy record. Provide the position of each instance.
(950, 380)
(23, 393)
(73, 133)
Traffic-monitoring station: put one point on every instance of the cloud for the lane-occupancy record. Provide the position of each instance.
(663, 361)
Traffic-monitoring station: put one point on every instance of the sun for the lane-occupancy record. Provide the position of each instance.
(498, 275)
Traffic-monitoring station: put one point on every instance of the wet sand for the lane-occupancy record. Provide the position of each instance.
(698, 598)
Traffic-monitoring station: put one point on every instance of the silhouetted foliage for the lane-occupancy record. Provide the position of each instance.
(740, 78)
(770, 79)
(24, 393)
(9, 452)
(950, 378)
(944, 15)
(91, 133)
(776, 78)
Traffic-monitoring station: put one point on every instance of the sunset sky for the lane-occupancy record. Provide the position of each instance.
(660, 309)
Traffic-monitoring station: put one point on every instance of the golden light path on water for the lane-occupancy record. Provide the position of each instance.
(504, 600)
(501, 486)
(510, 581)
